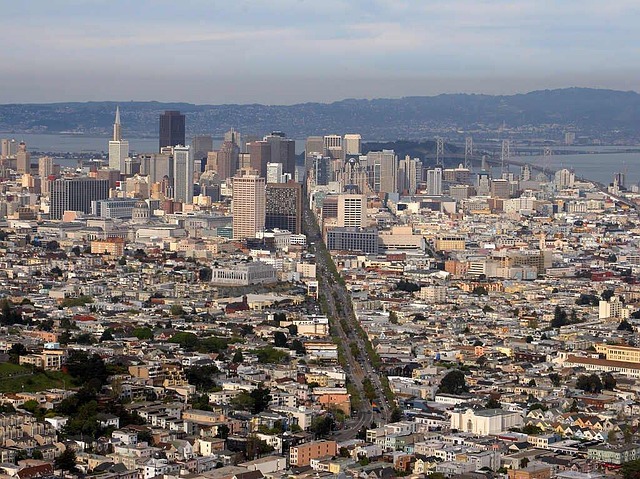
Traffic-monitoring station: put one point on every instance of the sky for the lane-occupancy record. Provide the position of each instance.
(293, 51)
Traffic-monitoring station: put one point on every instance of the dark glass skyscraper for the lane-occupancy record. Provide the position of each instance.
(172, 129)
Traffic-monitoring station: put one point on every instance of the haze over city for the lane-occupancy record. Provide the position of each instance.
(289, 51)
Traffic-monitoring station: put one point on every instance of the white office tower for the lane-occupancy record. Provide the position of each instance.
(274, 173)
(182, 174)
(409, 175)
(564, 178)
(352, 211)
(118, 148)
(333, 147)
(352, 144)
(434, 181)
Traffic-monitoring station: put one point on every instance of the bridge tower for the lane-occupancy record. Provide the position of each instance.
(439, 150)
(468, 152)
(547, 155)
(505, 155)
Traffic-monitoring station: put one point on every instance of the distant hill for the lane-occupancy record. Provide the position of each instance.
(589, 111)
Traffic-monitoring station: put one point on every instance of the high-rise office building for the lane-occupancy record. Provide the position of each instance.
(352, 210)
(333, 146)
(23, 159)
(260, 152)
(226, 160)
(409, 175)
(201, 145)
(434, 181)
(45, 171)
(274, 173)
(172, 129)
(500, 188)
(182, 174)
(313, 147)
(284, 206)
(8, 148)
(283, 150)
(76, 194)
(236, 137)
(352, 144)
(383, 171)
(248, 203)
(118, 148)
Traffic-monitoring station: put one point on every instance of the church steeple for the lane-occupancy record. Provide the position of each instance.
(117, 133)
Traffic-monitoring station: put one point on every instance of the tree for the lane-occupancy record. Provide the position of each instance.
(261, 397)
(531, 429)
(15, 351)
(625, 326)
(201, 377)
(223, 431)
(555, 379)
(76, 250)
(591, 383)
(52, 245)
(237, 357)
(186, 340)
(107, 335)
(631, 469)
(493, 403)
(176, 310)
(122, 261)
(393, 317)
(205, 274)
(279, 339)
(480, 291)
(607, 294)
(608, 382)
(86, 368)
(453, 383)
(396, 415)
(560, 317)
(66, 461)
(143, 333)
(322, 426)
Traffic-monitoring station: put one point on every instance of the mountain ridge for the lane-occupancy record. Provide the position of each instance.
(588, 110)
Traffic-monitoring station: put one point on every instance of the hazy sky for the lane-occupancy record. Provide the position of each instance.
(289, 51)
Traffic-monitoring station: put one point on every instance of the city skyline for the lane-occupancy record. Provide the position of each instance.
(379, 49)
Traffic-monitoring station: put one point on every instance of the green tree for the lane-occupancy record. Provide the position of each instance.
(107, 335)
(393, 317)
(453, 383)
(396, 415)
(143, 333)
(222, 431)
(625, 326)
(322, 426)
(176, 310)
(279, 339)
(237, 357)
(555, 379)
(15, 351)
(560, 317)
(608, 382)
(66, 461)
(493, 403)
(591, 383)
(186, 341)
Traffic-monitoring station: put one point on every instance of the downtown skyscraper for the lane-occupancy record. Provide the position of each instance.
(172, 129)
(118, 148)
